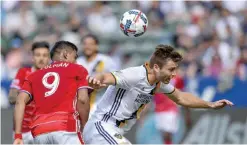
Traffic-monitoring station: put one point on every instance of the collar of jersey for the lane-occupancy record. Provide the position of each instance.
(146, 66)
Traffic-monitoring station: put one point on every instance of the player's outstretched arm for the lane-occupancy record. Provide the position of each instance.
(101, 80)
(21, 101)
(189, 100)
(83, 106)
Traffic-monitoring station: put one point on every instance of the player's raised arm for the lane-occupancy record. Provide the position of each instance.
(125, 78)
(101, 80)
(189, 100)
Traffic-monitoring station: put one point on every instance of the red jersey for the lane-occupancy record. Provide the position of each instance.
(30, 108)
(162, 102)
(54, 91)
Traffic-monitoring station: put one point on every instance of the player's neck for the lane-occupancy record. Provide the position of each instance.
(91, 58)
(34, 68)
(150, 74)
(151, 77)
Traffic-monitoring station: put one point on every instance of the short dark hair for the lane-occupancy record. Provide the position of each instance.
(95, 38)
(40, 44)
(162, 54)
(59, 45)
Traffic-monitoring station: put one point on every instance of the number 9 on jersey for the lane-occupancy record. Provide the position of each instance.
(52, 86)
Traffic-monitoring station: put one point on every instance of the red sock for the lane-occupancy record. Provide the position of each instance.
(167, 141)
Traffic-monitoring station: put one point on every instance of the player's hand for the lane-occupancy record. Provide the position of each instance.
(18, 141)
(220, 104)
(95, 83)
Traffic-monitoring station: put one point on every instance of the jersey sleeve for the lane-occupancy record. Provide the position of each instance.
(126, 78)
(27, 87)
(82, 74)
(18, 80)
(167, 88)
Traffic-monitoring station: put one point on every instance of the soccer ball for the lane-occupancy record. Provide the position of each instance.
(133, 23)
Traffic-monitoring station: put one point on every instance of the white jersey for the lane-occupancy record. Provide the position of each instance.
(121, 104)
(101, 63)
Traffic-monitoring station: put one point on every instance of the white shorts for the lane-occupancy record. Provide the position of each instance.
(98, 132)
(27, 137)
(167, 121)
(59, 137)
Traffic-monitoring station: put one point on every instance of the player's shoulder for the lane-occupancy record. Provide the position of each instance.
(78, 66)
(136, 69)
(25, 69)
(30, 75)
(136, 73)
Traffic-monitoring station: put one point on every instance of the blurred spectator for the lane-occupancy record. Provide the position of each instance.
(234, 7)
(73, 34)
(14, 61)
(241, 68)
(228, 27)
(216, 67)
(227, 54)
(156, 16)
(116, 54)
(101, 20)
(20, 20)
(244, 23)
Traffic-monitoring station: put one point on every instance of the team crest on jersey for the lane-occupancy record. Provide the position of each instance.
(119, 136)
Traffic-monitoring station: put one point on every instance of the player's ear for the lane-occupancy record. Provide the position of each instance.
(65, 54)
(156, 68)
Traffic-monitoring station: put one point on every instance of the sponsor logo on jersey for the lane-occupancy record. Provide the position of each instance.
(143, 99)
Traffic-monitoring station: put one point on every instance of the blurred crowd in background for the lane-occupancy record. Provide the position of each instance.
(211, 35)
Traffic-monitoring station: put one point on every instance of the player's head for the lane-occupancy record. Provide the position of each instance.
(164, 62)
(90, 45)
(41, 54)
(64, 51)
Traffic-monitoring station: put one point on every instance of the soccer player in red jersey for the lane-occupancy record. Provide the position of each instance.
(60, 93)
(167, 112)
(41, 57)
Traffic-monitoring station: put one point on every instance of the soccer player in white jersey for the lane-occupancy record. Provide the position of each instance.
(94, 62)
(130, 90)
